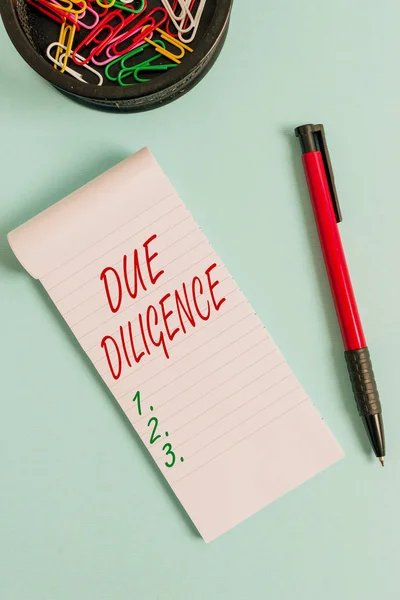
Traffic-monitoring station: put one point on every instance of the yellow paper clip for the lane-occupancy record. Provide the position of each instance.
(107, 4)
(66, 38)
(168, 38)
(69, 8)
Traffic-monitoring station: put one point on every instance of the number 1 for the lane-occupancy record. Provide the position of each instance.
(137, 398)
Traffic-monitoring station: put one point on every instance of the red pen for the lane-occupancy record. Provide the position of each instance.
(321, 185)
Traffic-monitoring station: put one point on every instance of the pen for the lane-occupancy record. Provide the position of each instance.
(321, 184)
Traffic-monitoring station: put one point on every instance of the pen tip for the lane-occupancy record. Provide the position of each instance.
(382, 460)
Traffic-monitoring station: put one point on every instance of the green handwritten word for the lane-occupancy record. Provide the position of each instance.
(154, 437)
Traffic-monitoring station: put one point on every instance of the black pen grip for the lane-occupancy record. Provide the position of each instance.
(363, 382)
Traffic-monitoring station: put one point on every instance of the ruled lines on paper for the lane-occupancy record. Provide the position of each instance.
(224, 379)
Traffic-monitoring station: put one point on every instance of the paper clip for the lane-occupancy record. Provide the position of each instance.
(100, 62)
(73, 17)
(49, 9)
(171, 23)
(177, 43)
(104, 25)
(106, 4)
(100, 13)
(72, 72)
(122, 60)
(171, 9)
(184, 14)
(146, 29)
(124, 5)
(70, 6)
(196, 24)
(65, 40)
(143, 28)
(186, 8)
(83, 15)
(144, 67)
(114, 37)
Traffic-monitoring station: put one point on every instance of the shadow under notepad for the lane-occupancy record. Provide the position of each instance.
(324, 289)
(9, 261)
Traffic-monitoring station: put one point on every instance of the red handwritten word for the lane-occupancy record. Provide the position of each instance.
(157, 326)
(131, 287)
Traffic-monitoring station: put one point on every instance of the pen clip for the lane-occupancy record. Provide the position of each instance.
(319, 133)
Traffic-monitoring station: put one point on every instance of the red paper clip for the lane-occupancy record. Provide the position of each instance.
(146, 28)
(51, 10)
(103, 26)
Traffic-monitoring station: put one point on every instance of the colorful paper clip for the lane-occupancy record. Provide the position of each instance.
(70, 6)
(183, 15)
(109, 50)
(196, 24)
(106, 4)
(144, 67)
(177, 43)
(137, 34)
(98, 45)
(72, 72)
(125, 4)
(146, 26)
(50, 10)
(80, 22)
(65, 40)
(170, 23)
(180, 20)
(112, 35)
(122, 61)
(95, 15)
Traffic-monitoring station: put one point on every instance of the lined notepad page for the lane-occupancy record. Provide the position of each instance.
(196, 374)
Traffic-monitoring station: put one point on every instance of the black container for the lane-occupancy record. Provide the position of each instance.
(30, 32)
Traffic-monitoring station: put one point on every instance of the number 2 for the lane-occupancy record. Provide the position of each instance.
(171, 454)
(157, 437)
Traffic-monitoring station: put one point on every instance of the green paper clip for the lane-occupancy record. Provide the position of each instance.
(122, 60)
(119, 4)
(147, 68)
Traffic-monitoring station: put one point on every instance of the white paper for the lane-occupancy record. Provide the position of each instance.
(221, 389)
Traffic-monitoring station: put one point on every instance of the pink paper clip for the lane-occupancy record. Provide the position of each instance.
(100, 14)
(93, 13)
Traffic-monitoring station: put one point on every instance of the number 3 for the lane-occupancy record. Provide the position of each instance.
(171, 454)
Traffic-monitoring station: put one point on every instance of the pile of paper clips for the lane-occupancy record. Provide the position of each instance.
(127, 41)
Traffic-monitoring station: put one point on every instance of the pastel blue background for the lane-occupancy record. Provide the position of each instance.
(84, 514)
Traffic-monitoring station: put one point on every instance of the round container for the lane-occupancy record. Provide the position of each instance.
(31, 32)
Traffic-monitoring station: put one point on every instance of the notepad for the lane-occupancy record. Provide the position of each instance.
(178, 344)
